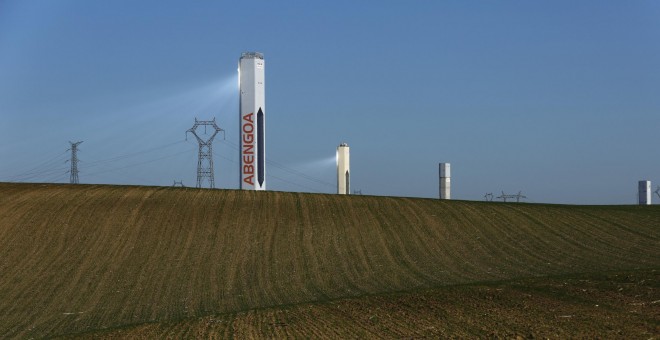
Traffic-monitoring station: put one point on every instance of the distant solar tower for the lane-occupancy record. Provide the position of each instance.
(251, 79)
(644, 191)
(445, 181)
(343, 169)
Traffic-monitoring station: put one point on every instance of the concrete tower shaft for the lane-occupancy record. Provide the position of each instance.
(252, 107)
(644, 192)
(343, 169)
(445, 181)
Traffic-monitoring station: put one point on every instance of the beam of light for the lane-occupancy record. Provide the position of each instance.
(155, 116)
(318, 164)
(320, 171)
(159, 117)
(216, 98)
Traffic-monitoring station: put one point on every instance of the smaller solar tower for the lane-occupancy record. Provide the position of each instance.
(343, 170)
(644, 192)
(445, 181)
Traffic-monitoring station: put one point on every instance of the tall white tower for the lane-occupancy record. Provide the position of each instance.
(343, 169)
(644, 192)
(252, 107)
(445, 181)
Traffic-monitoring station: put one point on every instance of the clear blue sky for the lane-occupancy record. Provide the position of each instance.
(559, 99)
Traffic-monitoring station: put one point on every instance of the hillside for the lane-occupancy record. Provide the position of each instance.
(90, 257)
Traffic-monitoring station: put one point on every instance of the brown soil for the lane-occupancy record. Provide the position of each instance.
(89, 257)
(611, 305)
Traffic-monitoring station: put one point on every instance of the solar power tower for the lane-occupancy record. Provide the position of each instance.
(252, 107)
(445, 181)
(644, 192)
(343, 169)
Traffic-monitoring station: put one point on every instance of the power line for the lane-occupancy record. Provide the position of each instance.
(41, 169)
(50, 172)
(129, 155)
(45, 169)
(517, 196)
(57, 178)
(57, 174)
(37, 168)
(298, 173)
(287, 169)
(270, 175)
(140, 163)
(294, 183)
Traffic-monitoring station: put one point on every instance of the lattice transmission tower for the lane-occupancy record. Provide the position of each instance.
(205, 155)
(73, 178)
(517, 196)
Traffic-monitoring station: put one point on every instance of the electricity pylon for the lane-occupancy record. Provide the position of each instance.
(205, 155)
(73, 178)
(517, 196)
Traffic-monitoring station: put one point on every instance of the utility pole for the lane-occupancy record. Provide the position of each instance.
(178, 184)
(73, 179)
(205, 155)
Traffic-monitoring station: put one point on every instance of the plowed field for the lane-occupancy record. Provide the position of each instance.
(86, 258)
(612, 305)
